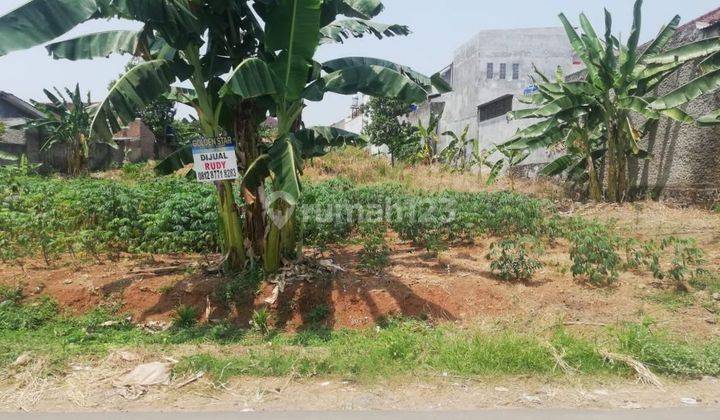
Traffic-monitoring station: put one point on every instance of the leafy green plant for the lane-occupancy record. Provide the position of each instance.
(513, 259)
(261, 321)
(593, 251)
(672, 258)
(319, 314)
(185, 316)
(11, 293)
(376, 251)
(241, 285)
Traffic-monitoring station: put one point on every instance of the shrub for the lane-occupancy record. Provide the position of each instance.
(594, 256)
(512, 259)
(261, 321)
(376, 251)
(185, 317)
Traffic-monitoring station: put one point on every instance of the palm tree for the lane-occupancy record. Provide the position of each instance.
(596, 117)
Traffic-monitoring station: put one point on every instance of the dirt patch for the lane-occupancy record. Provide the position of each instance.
(456, 286)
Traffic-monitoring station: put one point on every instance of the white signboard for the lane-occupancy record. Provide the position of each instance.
(215, 159)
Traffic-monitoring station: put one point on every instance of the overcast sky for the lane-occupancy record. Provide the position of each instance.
(439, 27)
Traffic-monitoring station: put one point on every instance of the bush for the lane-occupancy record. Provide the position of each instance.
(512, 259)
(376, 251)
(594, 256)
(185, 317)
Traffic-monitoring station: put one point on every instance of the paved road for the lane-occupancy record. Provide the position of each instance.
(665, 414)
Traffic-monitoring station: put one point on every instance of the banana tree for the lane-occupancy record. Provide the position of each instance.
(618, 87)
(65, 121)
(288, 75)
(455, 154)
(181, 41)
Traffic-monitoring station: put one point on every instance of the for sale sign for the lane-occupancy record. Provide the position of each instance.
(215, 159)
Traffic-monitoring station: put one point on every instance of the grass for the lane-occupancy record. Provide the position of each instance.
(400, 348)
(672, 300)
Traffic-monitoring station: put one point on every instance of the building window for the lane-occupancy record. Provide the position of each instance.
(503, 71)
(495, 108)
(490, 71)
(516, 71)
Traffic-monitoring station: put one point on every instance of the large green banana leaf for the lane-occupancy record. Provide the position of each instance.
(347, 62)
(373, 80)
(173, 19)
(361, 9)
(252, 78)
(340, 30)
(710, 119)
(39, 21)
(642, 107)
(135, 90)
(711, 63)
(176, 161)
(559, 165)
(285, 163)
(686, 52)
(631, 56)
(553, 108)
(293, 28)
(101, 44)
(318, 141)
(666, 34)
(707, 83)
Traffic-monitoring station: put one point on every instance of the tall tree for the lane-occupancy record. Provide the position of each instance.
(596, 118)
(384, 128)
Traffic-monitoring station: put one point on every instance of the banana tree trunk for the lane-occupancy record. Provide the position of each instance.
(231, 228)
(248, 140)
(595, 190)
(612, 163)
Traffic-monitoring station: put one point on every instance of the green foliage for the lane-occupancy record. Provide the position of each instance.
(513, 259)
(185, 316)
(12, 294)
(664, 355)
(677, 259)
(50, 216)
(2, 128)
(15, 316)
(385, 129)
(260, 321)
(375, 254)
(594, 254)
(241, 286)
(397, 349)
(319, 314)
(66, 121)
(593, 120)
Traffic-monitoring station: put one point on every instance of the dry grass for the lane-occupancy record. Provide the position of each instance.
(358, 166)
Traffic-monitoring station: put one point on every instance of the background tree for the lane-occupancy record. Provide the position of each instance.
(597, 118)
(384, 128)
(65, 122)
